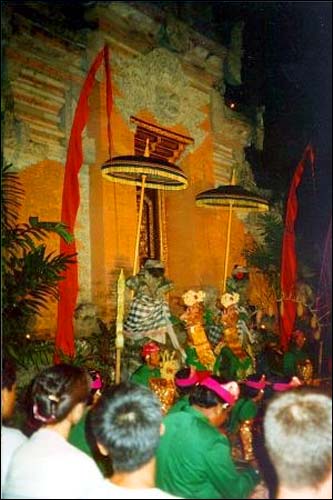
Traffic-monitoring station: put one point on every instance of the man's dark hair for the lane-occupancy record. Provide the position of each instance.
(126, 421)
(8, 370)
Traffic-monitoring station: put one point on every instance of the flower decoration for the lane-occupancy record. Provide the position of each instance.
(229, 299)
(191, 297)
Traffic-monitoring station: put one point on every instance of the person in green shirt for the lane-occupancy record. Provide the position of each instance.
(194, 457)
(151, 367)
(295, 355)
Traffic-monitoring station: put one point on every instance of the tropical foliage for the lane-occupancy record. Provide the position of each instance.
(30, 274)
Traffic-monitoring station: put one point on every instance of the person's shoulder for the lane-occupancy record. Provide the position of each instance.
(12, 434)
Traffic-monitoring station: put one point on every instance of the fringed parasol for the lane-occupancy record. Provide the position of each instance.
(231, 196)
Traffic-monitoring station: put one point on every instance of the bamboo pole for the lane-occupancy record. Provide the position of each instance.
(119, 323)
(138, 229)
(227, 249)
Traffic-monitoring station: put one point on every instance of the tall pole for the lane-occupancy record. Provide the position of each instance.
(226, 260)
(138, 229)
(119, 323)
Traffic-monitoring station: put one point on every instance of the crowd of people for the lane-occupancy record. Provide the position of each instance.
(185, 453)
(198, 423)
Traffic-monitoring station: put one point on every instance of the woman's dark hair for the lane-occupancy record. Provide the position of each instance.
(57, 390)
(183, 373)
(204, 397)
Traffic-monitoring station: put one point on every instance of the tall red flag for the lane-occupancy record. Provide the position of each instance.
(289, 258)
(68, 287)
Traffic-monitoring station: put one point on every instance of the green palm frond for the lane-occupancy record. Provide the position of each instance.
(30, 275)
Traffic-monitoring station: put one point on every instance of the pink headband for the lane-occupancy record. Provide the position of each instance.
(222, 390)
(194, 378)
(280, 387)
(259, 385)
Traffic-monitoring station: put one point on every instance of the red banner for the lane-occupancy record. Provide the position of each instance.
(68, 287)
(289, 258)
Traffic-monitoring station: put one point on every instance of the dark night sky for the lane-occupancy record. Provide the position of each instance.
(287, 67)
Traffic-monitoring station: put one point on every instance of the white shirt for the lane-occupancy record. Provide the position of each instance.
(11, 439)
(47, 466)
(106, 489)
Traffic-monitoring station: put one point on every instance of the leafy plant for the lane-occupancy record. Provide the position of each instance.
(30, 275)
(266, 255)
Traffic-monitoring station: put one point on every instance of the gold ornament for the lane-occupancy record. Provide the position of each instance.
(165, 390)
(270, 311)
(305, 371)
(300, 309)
(246, 437)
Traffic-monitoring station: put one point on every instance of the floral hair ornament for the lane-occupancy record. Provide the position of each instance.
(229, 299)
(191, 297)
(194, 378)
(229, 392)
(96, 380)
(41, 418)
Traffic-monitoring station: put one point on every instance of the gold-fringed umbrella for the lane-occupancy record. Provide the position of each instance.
(231, 196)
(144, 171)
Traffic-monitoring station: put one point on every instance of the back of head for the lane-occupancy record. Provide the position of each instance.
(126, 421)
(57, 390)
(298, 438)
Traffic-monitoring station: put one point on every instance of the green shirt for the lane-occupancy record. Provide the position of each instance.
(290, 360)
(194, 460)
(244, 409)
(182, 402)
(143, 374)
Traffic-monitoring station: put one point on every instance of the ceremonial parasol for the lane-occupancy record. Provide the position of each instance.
(142, 171)
(231, 196)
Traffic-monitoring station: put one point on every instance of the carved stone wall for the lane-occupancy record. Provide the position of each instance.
(163, 73)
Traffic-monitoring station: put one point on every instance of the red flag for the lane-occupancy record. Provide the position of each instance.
(68, 287)
(289, 259)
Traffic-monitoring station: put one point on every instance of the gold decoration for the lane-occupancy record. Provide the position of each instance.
(165, 390)
(246, 437)
(305, 371)
(300, 309)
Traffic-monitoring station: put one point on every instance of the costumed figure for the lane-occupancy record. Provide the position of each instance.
(212, 316)
(151, 367)
(198, 352)
(244, 412)
(149, 314)
(233, 361)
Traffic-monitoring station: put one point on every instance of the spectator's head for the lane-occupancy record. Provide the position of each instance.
(8, 387)
(299, 338)
(214, 398)
(298, 437)
(58, 392)
(126, 423)
(151, 354)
